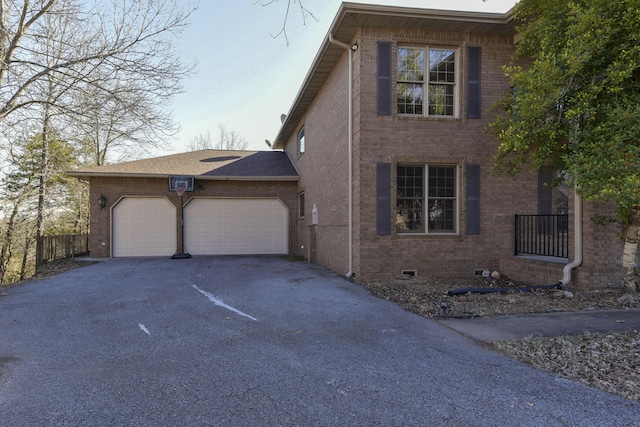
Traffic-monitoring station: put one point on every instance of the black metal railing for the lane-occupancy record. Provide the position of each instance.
(50, 248)
(544, 235)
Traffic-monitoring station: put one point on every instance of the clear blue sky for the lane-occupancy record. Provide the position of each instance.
(245, 78)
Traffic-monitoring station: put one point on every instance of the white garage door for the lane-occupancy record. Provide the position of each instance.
(235, 226)
(144, 226)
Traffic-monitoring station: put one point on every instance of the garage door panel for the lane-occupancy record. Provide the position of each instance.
(144, 226)
(236, 226)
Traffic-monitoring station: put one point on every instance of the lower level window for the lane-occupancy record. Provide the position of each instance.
(426, 199)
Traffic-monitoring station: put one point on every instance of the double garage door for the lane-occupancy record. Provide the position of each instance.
(146, 226)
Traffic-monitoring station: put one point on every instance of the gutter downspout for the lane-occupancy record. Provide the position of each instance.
(350, 49)
(577, 259)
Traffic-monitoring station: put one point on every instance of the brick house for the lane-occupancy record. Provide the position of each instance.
(404, 95)
(385, 166)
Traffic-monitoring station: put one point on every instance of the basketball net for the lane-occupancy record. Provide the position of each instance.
(180, 190)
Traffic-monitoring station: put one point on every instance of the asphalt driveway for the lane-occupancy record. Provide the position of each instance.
(257, 341)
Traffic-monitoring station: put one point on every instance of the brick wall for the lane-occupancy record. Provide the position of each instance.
(116, 188)
(601, 248)
(532, 271)
(418, 141)
(324, 173)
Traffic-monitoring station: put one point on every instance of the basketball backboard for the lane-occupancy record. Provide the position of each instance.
(178, 181)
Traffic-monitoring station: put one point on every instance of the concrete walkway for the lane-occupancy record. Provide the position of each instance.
(549, 324)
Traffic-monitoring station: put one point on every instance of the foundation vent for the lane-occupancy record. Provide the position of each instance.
(479, 272)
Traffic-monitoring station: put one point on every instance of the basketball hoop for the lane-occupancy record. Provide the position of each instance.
(180, 189)
(181, 184)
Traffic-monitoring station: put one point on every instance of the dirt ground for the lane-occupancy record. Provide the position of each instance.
(430, 298)
(609, 362)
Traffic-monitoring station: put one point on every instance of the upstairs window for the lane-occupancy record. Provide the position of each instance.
(301, 145)
(427, 82)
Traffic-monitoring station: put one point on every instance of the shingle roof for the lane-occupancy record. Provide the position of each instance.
(203, 164)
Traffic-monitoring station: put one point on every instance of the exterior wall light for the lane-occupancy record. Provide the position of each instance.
(354, 46)
(102, 201)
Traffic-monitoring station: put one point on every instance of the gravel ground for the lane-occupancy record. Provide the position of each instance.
(429, 298)
(609, 362)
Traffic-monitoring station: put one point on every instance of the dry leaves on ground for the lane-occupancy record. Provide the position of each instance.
(51, 269)
(609, 362)
(429, 297)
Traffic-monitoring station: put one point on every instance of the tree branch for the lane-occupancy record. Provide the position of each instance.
(304, 12)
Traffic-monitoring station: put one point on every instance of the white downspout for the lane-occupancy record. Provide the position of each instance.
(350, 148)
(577, 259)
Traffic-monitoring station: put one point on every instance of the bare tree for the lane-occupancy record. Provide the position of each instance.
(121, 124)
(119, 40)
(304, 12)
(227, 140)
(202, 141)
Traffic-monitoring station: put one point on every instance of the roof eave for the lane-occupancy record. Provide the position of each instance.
(87, 175)
(249, 178)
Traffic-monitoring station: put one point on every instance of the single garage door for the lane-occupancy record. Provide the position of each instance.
(144, 226)
(235, 226)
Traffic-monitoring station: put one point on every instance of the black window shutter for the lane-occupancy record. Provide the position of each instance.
(545, 199)
(474, 108)
(473, 199)
(383, 198)
(384, 78)
(545, 191)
